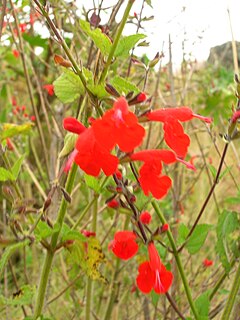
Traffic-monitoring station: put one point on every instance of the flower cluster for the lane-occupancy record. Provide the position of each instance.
(152, 274)
(120, 127)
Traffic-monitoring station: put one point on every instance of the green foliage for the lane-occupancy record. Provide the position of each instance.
(68, 87)
(17, 167)
(6, 175)
(98, 90)
(92, 182)
(22, 297)
(68, 234)
(43, 230)
(101, 40)
(198, 237)
(9, 251)
(202, 305)
(123, 86)
(126, 44)
(226, 242)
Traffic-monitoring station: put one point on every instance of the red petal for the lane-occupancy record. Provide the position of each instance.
(166, 156)
(175, 138)
(163, 115)
(73, 125)
(163, 280)
(155, 262)
(146, 277)
(124, 245)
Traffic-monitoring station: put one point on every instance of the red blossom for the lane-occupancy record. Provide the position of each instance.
(124, 245)
(33, 118)
(207, 263)
(70, 160)
(16, 53)
(9, 144)
(14, 101)
(119, 126)
(23, 27)
(88, 233)
(174, 134)
(118, 174)
(49, 88)
(145, 217)
(236, 116)
(113, 204)
(165, 227)
(153, 274)
(92, 156)
(73, 125)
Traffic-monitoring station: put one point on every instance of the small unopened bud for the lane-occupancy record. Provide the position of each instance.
(61, 61)
(47, 204)
(155, 60)
(111, 90)
(165, 227)
(113, 204)
(140, 97)
(66, 195)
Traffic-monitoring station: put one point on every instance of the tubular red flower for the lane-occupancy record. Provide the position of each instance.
(167, 156)
(207, 263)
(113, 204)
(92, 157)
(73, 125)
(182, 114)
(124, 245)
(145, 217)
(119, 126)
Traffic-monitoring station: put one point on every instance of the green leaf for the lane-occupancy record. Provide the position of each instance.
(127, 43)
(155, 298)
(17, 166)
(202, 305)
(149, 2)
(6, 175)
(69, 144)
(10, 130)
(232, 200)
(68, 234)
(92, 183)
(101, 41)
(182, 233)
(22, 297)
(98, 90)
(213, 170)
(227, 224)
(68, 87)
(35, 41)
(123, 86)
(198, 238)
(43, 230)
(8, 252)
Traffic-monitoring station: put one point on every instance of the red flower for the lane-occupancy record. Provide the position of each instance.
(14, 101)
(16, 53)
(9, 144)
(207, 263)
(153, 274)
(236, 116)
(92, 156)
(70, 160)
(165, 227)
(113, 204)
(49, 88)
(124, 245)
(119, 126)
(23, 27)
(88, 233)
(145, 217)
(73, 125)
(181, 114)
(33, 118)
(174, 134)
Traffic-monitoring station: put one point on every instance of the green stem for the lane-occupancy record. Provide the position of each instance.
(178, 261)
(232, 295)
(220, 281)
(90, 282)
(50, 253)
(113, 287)
(116, 40)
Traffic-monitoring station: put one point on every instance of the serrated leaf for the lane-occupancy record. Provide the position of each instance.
(89, 256)
(198, 238)
(68, 234)
(68, 87)
(101, 40)
(17, 166)
(98, 90)
(127, 43)
(8, 252)
(43, 230)
(69, 144)
(123, 86)
(202, 305)
(10, 130)
(92, 182)
(6, 175)
(227, 224)
(22, 297)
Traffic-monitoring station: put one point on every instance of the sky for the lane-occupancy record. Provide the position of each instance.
(199, 24)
